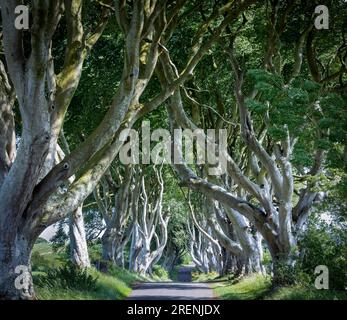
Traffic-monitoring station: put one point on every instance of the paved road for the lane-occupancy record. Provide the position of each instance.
(184, 274)
(172, 291)
(184, 290)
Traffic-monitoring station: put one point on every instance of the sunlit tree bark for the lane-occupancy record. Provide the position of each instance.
(151, 226)
(78, 241)
(114, 202)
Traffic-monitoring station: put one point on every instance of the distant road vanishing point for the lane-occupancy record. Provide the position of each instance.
(184, 289)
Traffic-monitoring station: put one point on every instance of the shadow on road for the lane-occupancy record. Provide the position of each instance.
(184, 274)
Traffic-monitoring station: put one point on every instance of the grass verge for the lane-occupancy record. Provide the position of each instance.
(249, 288)
(114, 285)
(258, 287)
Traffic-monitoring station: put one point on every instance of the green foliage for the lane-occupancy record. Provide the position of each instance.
(114, 285)
(277, 133)
(309, 85)
(101, 75)
(159, 272)
(94, 250)
(298, 96)
(264, 77)
(175, 202)
(41, 240)
(198, 276)
(249, 288)
(124, 275)
(323, 144)
(44, 258)
(68, 277)
(301, 158)
(289, 274)
(60, 238)
(304, 293)
(256, 106)
(267, 260)
(287, 107)
(186, 259)
(258, 287)
(38, 261)
(325, 244)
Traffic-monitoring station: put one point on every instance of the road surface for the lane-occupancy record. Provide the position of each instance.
(182, 290)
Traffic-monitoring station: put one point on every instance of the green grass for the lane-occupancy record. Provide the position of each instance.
(43, 257)
(249, 288)
(114, 285)
(203, 277)
(258, 287)
(159, 274)
(300, 293)
(43, 248)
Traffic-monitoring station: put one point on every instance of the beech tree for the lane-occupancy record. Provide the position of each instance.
(149, 225)
(34, 192)
(269, 77)
(274, 106)
(113, 197)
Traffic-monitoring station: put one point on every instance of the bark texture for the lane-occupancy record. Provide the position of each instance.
(78, 241)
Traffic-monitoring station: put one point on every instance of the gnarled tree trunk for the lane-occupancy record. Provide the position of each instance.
(15, 268)
(78, 241)
(31, 195)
